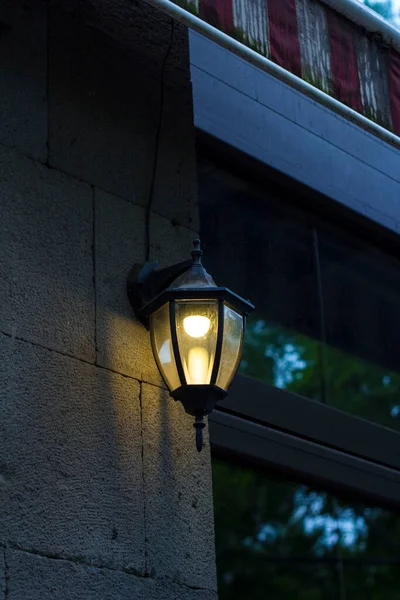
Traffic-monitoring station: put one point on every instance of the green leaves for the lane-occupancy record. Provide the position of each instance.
(281, 540)
(303, 365)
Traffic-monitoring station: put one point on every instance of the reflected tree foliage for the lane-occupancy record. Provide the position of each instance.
(302, 365)
(280, 540)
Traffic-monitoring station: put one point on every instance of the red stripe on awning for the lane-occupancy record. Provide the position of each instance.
(394, 89)
(225, 11)
(218, 13)
(345, 78)
(284, 34)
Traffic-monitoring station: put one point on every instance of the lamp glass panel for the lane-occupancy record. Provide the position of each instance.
(162, 346)
(232, 346)
(197, 328)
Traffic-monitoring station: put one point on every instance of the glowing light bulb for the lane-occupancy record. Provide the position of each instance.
(198, 365)
(196, 326)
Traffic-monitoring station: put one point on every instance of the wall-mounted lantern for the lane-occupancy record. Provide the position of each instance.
(196, 330)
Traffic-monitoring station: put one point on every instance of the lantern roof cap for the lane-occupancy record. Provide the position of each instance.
(196, 276)
(198, 293)
(153, 287)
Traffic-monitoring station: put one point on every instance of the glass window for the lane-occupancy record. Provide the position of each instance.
(284, 540)
(257, 248)
(327, 318)
(361, 300)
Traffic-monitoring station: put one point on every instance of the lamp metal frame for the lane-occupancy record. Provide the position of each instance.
(149, 288)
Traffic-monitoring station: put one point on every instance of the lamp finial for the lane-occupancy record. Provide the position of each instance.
(197, 253)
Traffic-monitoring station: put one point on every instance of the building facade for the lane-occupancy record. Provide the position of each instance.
(123, 136)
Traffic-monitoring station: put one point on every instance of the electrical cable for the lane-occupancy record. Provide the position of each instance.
(157, 144)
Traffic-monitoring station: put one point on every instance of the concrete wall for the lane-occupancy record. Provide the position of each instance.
(102, 492)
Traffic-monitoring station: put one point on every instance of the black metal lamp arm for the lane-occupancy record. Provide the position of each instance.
(147, 281)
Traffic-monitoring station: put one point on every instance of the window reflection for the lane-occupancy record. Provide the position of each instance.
(363, 388)
(281, 357)
(361, 297)
(282, 540)
(327, 323)
(291, 361)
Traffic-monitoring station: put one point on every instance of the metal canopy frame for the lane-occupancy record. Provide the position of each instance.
(201, 293)
(311, 420)
(303, 460)
(308, 440)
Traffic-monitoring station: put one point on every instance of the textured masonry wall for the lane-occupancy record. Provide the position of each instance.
(102, 493)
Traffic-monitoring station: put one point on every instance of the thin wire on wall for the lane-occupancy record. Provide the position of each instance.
(157, 145)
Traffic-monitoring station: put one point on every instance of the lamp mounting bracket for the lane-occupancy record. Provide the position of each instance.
(147, 281)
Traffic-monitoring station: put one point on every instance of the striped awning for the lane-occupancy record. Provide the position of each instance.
(319, 45)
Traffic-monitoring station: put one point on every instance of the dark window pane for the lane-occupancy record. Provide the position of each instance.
(256, 247)
(296, 268)
(361, 296)
(277, 539)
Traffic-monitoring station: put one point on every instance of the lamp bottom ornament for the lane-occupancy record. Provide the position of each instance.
(199, 426)
(199, 401)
